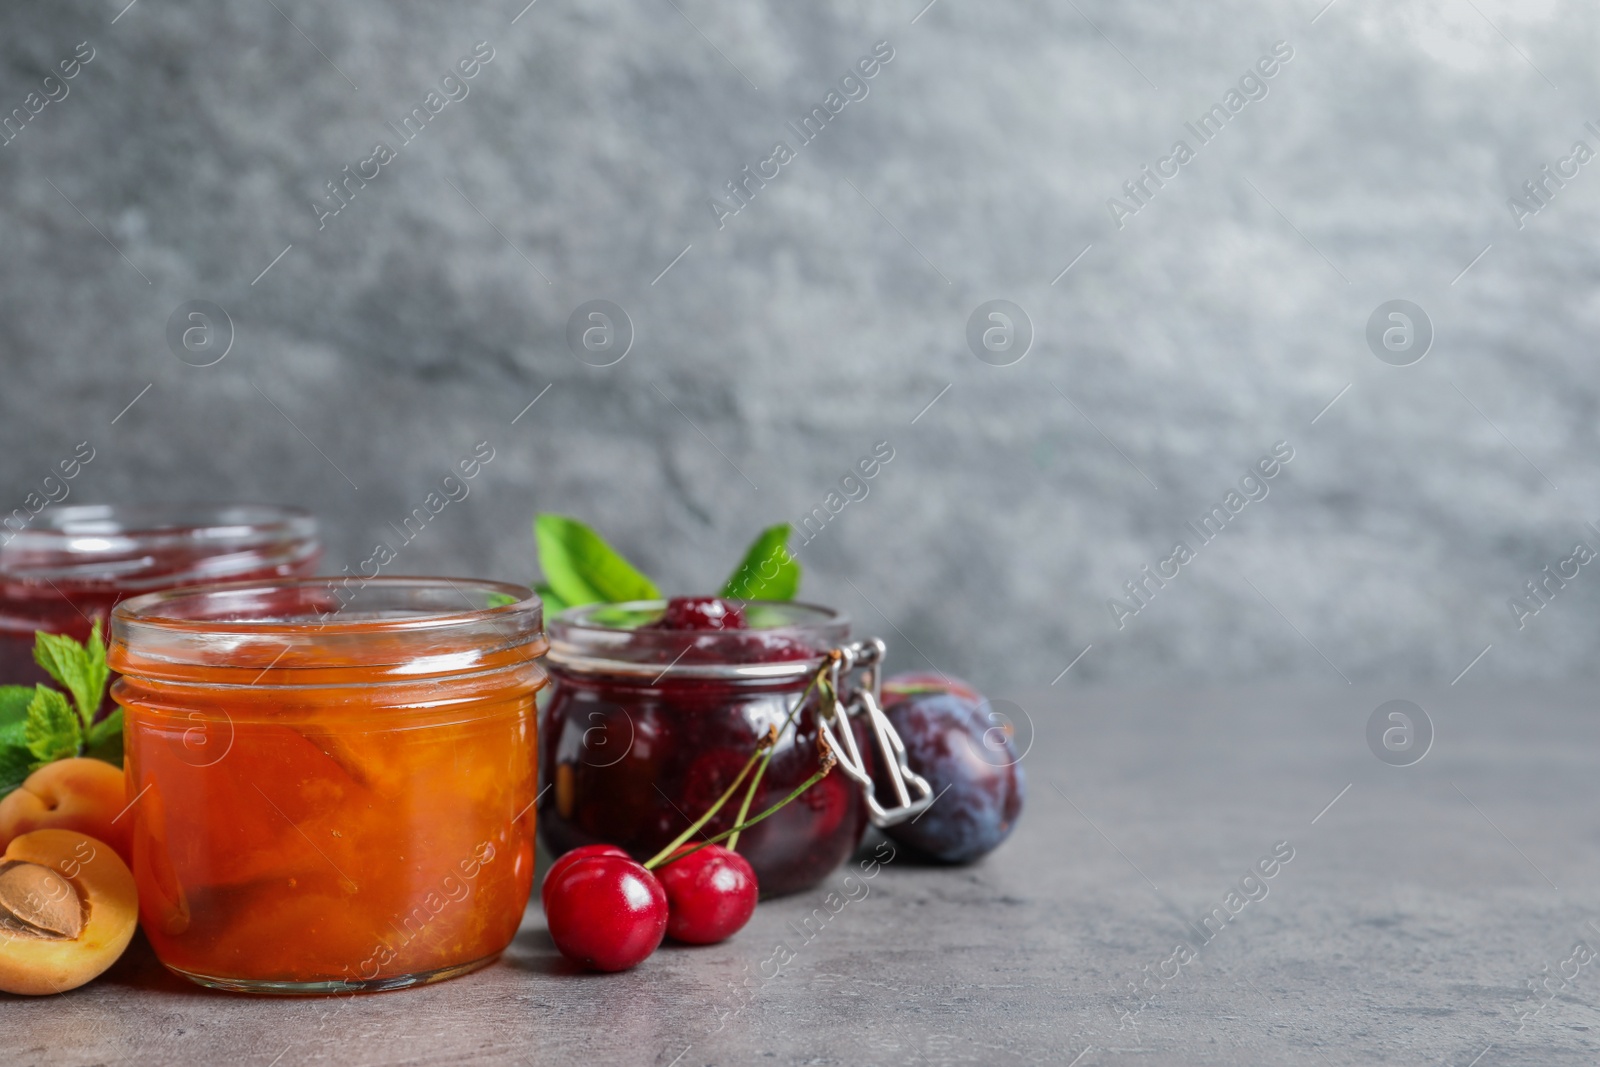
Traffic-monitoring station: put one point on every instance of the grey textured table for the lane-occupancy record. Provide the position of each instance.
(1417, 910)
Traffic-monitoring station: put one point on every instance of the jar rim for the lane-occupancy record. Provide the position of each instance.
(403, 627)
(582, 643)
(153, 544)
(155, 609)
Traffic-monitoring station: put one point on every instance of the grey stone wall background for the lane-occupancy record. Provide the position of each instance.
(1222, 317)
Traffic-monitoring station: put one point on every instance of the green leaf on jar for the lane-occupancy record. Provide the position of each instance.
(768, 571)
(621, 618)
(552, 601)
(580, 568)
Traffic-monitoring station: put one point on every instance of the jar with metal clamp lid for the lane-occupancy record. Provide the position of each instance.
(647, 726)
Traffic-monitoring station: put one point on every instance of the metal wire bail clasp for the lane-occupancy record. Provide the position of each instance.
(862, 703)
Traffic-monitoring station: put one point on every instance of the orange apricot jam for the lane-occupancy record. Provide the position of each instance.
(331, 780)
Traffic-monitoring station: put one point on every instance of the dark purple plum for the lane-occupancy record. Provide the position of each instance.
(918, 683)
(966, 752)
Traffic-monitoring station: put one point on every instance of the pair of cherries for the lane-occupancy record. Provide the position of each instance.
(607, 912)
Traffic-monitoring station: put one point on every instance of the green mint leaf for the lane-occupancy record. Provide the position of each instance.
(14, 701)
(582, 569)
(79, 669)
(57, 654)
(15, 733)
(552, 602)
(53, 731)
(99, 673)
(16, 763)
(768, 571)
(105, 739)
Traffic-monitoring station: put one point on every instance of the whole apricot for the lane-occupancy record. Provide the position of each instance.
(86, 795)
(68, 908)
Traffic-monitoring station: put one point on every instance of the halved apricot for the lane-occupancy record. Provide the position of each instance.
(68, 908)
(89, 796)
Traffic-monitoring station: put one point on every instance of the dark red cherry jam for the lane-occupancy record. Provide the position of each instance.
(654, 710)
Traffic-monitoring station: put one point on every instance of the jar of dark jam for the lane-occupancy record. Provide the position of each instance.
(71, 565)
(648, 724)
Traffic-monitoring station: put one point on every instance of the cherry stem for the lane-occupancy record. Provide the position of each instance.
(750, 794)
(744, 808)
(827, 765)
(765, 744)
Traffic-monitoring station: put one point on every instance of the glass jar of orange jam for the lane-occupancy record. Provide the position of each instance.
(331, 780)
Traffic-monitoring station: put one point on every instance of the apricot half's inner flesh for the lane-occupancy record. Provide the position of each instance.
(68, 908)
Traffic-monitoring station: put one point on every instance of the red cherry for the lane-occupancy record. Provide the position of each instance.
(701, 613)
(711, 894)
(606, 913)
(567, 859)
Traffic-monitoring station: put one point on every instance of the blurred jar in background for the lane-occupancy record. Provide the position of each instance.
(73, 564)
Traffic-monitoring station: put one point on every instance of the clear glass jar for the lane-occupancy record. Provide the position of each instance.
(331, 780)
(72, 564)
(646, 727)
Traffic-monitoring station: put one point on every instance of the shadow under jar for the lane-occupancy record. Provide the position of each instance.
(71, 565)
(332, 782)
(646, 727)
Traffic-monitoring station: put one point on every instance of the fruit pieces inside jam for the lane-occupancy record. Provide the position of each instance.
(718, 631)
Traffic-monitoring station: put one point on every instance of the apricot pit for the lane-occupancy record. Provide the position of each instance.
(37, 902)
(68, 908)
